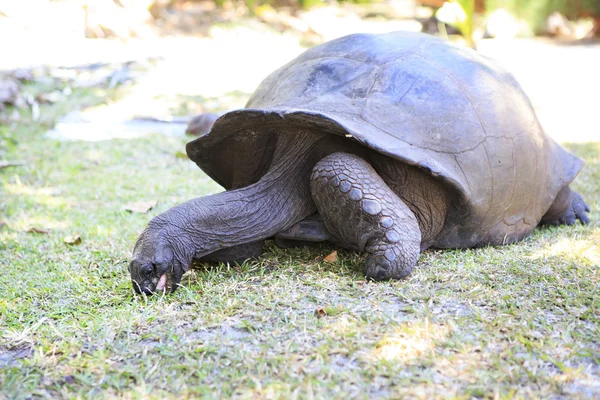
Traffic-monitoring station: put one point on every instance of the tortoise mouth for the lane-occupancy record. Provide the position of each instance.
(162, 283)
(165, 284)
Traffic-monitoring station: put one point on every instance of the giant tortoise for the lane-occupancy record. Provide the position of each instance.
(398, 142)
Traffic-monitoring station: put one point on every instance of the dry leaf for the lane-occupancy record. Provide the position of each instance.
(72, 240)
(38, 230)
(320, 312)
(141, 207)
(332, 257)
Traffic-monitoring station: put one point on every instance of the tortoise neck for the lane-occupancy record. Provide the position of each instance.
(278, 200)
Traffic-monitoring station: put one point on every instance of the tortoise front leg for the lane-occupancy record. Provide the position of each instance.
(364, 214)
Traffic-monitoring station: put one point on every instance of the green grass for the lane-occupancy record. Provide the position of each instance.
(520, 321)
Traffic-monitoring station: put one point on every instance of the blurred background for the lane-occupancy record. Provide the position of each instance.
(161, 62)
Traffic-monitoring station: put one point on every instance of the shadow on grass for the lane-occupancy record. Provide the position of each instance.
(275, 260)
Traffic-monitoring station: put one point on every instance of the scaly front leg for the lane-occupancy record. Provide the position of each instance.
(363, 213)
(209, 224)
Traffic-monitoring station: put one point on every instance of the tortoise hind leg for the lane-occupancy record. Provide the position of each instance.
(361, 212)
(567, 208)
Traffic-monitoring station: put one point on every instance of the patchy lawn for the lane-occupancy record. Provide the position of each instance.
(519, 321)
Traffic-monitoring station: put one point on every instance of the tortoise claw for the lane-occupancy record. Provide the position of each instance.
(580, 209)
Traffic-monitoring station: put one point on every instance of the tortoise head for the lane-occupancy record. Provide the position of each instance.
(154, 266)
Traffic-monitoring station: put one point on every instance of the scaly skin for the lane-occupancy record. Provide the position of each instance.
(208, 224)
(363, 213)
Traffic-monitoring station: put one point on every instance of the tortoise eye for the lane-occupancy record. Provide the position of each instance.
(148, 270)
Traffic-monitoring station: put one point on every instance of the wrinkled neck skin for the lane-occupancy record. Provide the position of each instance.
(280, 199)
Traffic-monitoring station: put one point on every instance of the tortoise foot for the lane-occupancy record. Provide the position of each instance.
(580, 209)
(567, 209)
(361, 212)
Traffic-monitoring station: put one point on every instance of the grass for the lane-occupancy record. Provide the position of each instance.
(520, 321)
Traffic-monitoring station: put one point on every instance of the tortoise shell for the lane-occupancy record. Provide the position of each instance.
(419, 100)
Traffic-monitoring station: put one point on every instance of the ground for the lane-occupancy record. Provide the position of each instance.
(520, 321)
